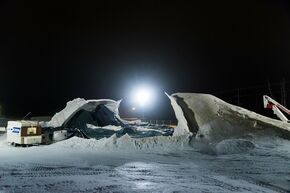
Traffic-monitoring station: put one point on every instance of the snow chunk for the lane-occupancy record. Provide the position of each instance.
(72, 107)
(181, 128)
(215, 119)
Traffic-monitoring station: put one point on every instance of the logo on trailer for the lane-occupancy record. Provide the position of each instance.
(15, 130)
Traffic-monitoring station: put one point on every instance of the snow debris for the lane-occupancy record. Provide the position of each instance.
(126, 143)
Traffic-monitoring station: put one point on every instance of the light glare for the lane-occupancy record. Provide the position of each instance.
(142, 96)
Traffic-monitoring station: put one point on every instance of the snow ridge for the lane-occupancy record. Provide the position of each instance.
(126, 143)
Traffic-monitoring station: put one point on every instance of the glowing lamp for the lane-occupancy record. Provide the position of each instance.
(142, 96)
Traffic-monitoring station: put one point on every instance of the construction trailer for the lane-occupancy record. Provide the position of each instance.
(24, 132)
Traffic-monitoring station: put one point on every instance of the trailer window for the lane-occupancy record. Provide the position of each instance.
(31, 130)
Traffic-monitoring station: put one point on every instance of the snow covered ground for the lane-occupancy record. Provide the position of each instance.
(154, 164)
(234, 150)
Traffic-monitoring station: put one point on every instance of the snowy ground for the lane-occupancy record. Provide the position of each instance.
(157, 164)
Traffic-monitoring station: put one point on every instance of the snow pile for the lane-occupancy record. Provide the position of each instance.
(213, 119)
(231, 146)
(125, 143)
(72, 107)
(60, 135)
(108, 127)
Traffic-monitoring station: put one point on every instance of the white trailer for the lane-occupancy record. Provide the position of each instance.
(24, 132)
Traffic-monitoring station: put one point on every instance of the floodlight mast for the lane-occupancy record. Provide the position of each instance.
(143, 114)
(142, 96)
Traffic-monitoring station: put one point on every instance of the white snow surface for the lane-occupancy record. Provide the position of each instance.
(224, 162)
(181, 128)
(154, 164)
(75, 105)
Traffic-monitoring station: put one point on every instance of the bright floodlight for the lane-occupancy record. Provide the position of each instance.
(142, 96)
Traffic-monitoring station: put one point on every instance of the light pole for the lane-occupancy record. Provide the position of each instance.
(142, 96)
(143, 114)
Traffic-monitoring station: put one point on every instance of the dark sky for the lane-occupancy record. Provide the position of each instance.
(53, 52)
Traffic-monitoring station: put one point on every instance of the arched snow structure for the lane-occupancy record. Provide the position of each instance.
(80, 112)
(209, 117)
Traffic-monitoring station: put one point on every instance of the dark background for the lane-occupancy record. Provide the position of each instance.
(53, 52)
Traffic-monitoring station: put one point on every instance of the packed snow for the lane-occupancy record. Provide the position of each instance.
(224, 148)
(214, 119)
(75, 105)
(154, 164)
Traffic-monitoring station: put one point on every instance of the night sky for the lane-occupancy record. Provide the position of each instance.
(53, 52)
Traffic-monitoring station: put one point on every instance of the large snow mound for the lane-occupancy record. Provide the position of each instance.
(72, 107)
(212, 118)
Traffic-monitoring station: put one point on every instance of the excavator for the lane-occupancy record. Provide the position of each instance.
(276, 107)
